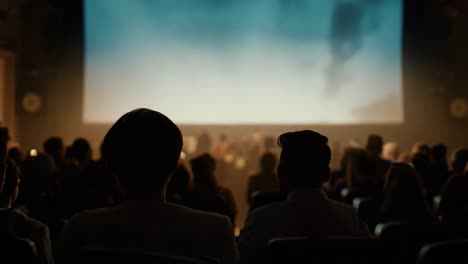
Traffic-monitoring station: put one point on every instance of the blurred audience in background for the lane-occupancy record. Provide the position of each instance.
(417, 185)
(17, 224)
(404, 198)
(206, 194)
(265, 180)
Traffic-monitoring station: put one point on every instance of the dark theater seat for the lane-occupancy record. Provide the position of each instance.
(17, 250)
(411, 237)
(98, 255)
(447, 252)
(332, 250)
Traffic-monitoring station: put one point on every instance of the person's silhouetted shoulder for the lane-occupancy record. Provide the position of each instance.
(170, 228)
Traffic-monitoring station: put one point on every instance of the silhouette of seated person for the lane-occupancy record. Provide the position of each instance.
(422, 164)
(303, 168)
(460, 161)
(374, 148)
(142, 149)
(439, 166)
(54, 147)
(17, 154)
(178, 186)
(74, 176)
(38, 185)
(266, 180)
(18, 224)
(206, 194)
(96, 177)
(361, 175)
(404, 199)
(454, 194)
(338, 179)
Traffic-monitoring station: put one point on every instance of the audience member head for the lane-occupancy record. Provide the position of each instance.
(203, 168)
(361, 168)
(304, 160)
(421, 162)
(460, 161)
(403, 192)
(142, 149)
(268, 162)
(11, 185)
(391, 151)
(420, 147)
(17, 154)
(81, 151)
(38, 168)
(54, 146)
(374, 145)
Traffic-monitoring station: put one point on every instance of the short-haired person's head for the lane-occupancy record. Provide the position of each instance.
(203, 164)
(304, 161)
(81, 150)
(203, 168)
(54, 146)
(142, 149)
(374, 144)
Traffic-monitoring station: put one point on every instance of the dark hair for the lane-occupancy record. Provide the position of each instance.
(374, 144)
(404, 194)
(53, 146)
(81, 149)
(142, 149)
(16, 154)
(305, 156)
(203, 168)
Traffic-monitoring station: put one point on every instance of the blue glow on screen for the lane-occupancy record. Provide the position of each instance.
(245, 61)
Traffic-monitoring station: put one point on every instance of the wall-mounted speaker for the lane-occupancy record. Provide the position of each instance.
(31, 92)
(458, 108)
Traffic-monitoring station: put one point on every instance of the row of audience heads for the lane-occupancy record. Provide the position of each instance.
(143, 149)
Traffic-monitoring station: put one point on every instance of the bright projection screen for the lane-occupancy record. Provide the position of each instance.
(245, 61)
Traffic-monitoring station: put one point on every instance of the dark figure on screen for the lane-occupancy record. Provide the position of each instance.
(352, 20)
